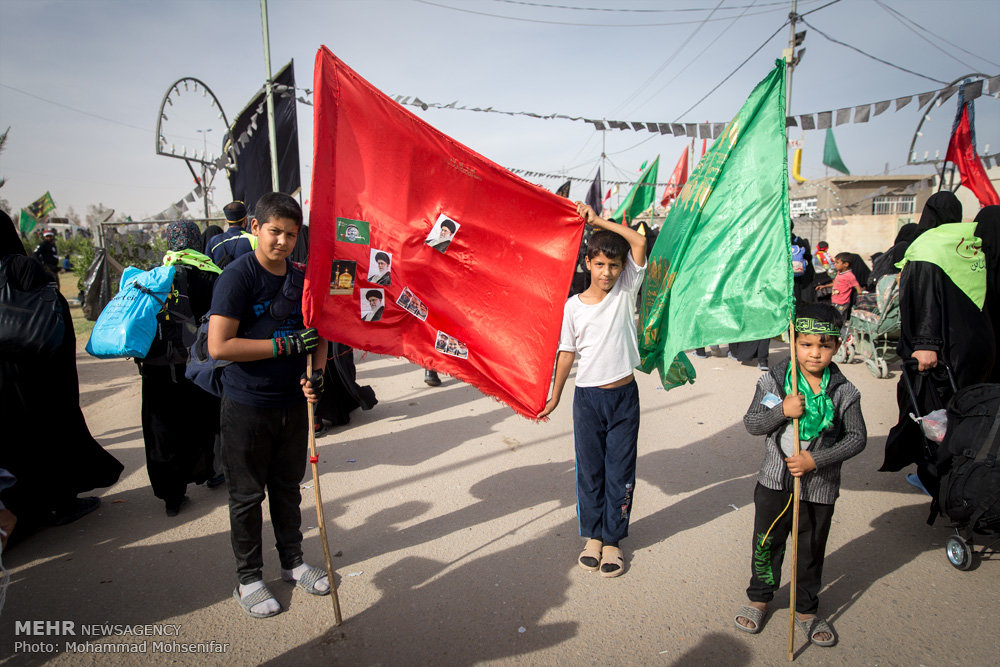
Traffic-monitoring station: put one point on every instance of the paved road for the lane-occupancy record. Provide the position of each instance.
(454, 528)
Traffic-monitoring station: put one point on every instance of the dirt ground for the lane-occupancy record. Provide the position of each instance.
(453, 526)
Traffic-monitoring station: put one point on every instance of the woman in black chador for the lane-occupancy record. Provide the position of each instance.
(988, 229)
(45, 444)
(939, 322)
(180, 421)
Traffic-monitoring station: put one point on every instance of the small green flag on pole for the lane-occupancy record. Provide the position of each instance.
(831, 156)
(721, 269)
(641, 196)
(28, 222)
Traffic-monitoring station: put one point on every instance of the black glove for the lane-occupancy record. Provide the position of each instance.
(299, 342)
(316, 380)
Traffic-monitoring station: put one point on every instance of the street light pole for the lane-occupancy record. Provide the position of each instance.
(204, 171)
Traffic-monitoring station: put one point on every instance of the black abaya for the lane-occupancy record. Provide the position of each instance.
(46, 443)
(180, 420)
(988, 229)
(935, 315)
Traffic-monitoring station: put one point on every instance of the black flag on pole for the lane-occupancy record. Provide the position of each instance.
(594, 193)
(563, 190)
(252, 177)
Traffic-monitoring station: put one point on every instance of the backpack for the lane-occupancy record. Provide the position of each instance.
(798, 260)
(204, 370)
(127, 325)
(175, 325)
(969, 492)
(228, 256)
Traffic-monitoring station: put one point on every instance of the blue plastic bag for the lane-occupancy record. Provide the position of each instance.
(127, 325)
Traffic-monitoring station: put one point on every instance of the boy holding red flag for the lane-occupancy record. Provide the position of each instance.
(599, 324)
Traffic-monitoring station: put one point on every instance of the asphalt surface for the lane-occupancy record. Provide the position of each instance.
(453, 525)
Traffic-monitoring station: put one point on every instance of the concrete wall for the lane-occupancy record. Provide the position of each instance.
(864, 234)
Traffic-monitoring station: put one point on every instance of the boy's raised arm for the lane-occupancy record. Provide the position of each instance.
(636, 241)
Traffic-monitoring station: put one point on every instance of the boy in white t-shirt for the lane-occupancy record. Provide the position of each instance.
(599, 324)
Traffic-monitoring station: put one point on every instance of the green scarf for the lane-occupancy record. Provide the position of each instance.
(819, 407)
(955, 248)
(191, 258)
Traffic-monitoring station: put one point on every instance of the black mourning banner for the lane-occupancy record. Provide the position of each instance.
(252, 177)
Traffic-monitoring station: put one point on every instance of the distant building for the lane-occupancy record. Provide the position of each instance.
(857, 213)
(863, 213)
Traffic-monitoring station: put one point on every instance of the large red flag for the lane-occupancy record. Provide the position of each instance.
(962, 153)
(677, 179)
(421, 248)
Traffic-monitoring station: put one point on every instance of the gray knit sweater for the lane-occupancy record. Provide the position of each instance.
(845, 437)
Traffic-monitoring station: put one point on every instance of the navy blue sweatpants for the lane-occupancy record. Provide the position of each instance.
(605, 430)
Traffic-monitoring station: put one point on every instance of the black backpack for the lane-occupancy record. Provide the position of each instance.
(966, 463)
(175, 324)
(206, 371)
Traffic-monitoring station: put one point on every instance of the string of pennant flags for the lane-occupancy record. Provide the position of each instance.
(820, 120)
(817, 120)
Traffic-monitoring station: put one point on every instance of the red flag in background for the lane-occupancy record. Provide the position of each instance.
(677, 179)
(424, 249)
(962, 153)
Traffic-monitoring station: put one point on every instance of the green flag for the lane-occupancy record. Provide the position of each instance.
(41, 206)
(831, 156)
(28, 222)
(721, 269)
(641, 196)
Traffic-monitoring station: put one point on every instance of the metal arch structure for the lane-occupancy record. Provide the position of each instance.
(923, 117)
(161, 116)
(207, 167)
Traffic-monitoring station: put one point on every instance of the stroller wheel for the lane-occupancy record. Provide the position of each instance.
(958, 552)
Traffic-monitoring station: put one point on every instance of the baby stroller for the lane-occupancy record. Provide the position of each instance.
(961, 447)
(969, 491)
(873, 329)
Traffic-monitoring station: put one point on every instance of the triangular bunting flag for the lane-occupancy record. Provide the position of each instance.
(831, 156)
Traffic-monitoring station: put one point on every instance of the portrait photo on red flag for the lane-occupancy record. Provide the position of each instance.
(421, 248)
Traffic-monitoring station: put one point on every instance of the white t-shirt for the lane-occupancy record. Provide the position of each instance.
(603, 334)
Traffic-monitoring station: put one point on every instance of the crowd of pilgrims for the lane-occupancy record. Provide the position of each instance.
(48, 457)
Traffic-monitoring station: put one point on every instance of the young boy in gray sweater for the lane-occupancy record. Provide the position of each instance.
(831, 430)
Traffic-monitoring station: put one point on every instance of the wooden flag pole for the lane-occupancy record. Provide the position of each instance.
(790, 61)
(314, 461)
(796, 489)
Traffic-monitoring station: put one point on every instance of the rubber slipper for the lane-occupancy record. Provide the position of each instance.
(752, 614)
(612, 562)
(590, 557)
(307, 581)
(813, 626)
(254, 599)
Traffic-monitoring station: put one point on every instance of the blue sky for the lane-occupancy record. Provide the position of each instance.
(107, 64)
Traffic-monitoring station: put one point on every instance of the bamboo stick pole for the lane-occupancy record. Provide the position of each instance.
(314, 462)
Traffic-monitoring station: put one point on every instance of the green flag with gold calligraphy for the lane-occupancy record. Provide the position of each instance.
(721, 269)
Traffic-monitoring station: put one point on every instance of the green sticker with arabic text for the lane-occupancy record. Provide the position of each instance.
(352, 231)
